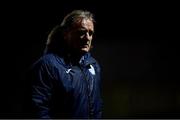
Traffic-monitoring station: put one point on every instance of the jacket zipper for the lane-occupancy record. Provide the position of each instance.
(90, 109)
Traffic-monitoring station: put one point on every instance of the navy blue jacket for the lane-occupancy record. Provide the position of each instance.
(63, 90)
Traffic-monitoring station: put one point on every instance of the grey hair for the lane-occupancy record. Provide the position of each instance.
(55, 37)
(74, 16)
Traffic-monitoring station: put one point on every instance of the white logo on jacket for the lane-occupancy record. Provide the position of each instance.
(67, 71)
(91, 70)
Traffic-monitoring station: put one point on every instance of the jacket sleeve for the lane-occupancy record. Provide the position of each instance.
(41, 90)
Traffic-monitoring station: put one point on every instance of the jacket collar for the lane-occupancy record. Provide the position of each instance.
(86, 60)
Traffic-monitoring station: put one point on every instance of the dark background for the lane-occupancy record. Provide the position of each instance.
(135, 43)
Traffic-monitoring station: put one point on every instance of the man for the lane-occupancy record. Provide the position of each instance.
(66, 79)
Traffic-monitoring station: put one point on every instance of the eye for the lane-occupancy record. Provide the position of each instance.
(81, 32)
(91, 33)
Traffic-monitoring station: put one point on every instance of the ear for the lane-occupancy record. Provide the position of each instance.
(65, 35)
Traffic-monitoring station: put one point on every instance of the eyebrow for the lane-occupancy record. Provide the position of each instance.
(83, 29)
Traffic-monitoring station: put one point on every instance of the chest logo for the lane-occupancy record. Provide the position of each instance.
(91, 70)
(68, 70)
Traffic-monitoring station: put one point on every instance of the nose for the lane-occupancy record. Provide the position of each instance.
(87, 36)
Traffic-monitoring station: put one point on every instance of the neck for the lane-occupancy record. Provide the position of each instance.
(74, 57)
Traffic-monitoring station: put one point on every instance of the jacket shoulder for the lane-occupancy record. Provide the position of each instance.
(95, 63)
(47, 60)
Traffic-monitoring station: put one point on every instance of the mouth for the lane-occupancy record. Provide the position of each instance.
(85, 45)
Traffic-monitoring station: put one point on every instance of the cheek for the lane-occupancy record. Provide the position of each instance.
(90, 41)
(76, 42)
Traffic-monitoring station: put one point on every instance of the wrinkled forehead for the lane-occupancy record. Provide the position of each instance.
(83, 23)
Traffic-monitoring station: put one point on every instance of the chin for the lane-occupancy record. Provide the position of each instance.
(84, 50)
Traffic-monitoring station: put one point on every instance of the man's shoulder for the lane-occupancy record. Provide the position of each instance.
(92, 60)
(47, 60)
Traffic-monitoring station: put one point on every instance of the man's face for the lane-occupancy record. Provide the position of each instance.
(80, 36)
